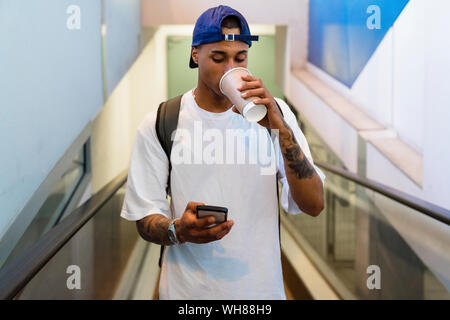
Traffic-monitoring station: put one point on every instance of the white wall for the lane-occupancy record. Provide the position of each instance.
(437, 97)
(408, 68)
(137, 93)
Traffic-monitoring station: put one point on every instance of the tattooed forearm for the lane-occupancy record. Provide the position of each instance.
(153, 228)
(294, 156)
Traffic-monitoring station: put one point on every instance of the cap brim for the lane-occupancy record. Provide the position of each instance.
(192, 64)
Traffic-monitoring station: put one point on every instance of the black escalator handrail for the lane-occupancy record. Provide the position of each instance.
(15, 276)
(427, 208)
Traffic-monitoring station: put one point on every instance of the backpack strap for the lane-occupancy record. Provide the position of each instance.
(166, 124)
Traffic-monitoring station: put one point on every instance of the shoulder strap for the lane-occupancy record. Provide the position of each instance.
(166, 124)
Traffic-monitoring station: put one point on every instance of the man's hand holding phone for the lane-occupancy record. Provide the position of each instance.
(191, 228)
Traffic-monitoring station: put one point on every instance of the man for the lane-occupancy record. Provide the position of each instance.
(239, 258)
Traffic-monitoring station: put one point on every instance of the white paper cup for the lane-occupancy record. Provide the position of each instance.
(230, 81)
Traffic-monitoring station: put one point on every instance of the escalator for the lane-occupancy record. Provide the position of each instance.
(370, 242)
(369, 246)
(93, 243)
(373, 241)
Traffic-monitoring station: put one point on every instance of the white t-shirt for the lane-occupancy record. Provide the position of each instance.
(208, 165)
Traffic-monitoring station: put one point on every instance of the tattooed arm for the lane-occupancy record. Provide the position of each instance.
(153, 228)
(304, 183)
(188, 228)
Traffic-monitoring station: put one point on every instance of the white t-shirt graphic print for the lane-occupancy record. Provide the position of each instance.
(246, 263)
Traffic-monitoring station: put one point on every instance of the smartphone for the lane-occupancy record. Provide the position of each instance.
(220, 213)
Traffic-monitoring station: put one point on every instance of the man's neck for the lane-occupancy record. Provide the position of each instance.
(209, 100)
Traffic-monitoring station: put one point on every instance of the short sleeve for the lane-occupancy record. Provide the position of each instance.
(286, 199)
(147, 175)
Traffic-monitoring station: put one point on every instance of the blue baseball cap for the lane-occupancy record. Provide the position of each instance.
(208, 28)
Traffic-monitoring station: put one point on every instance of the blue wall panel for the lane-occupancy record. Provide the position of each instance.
(50, 87)
(51, 83)
(340, 42)
(123, 23)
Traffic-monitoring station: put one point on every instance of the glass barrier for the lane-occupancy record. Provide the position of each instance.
(93, 264)
(54, 206)
(369, 246)
(319, 149)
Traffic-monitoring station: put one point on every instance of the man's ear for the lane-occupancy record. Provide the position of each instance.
(194, 54)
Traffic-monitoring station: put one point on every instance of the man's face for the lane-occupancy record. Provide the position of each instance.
(214, 59)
